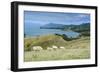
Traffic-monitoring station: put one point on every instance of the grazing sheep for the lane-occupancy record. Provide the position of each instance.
(62, 47)
(54, 47)
(49, 48)
(37, 48)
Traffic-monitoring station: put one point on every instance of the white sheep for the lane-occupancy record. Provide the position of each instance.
(54, 47)
(62, 47)
(37, 48)
(49, 48)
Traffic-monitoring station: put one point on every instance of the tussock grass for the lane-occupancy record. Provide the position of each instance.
(66, 54)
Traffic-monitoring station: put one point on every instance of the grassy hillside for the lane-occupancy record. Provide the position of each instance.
(74, 49)
(44, 41)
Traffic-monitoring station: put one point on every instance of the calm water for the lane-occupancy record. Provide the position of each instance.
(36, 31)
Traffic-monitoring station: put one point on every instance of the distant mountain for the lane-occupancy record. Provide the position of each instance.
(78, 28)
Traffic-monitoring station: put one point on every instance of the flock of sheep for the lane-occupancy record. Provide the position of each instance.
(38, 48)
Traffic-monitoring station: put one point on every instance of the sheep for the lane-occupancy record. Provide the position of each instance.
(54, 47)
(62, 47)
(49, 48)
(37, 48)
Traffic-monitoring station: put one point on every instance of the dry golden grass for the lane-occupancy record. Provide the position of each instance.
(67, 54)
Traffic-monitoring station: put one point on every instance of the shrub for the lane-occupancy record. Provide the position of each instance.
(27, 46)
(65, 37)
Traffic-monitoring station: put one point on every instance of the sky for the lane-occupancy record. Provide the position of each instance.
(43, 18)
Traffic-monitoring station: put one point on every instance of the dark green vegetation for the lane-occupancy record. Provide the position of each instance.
(83, 29)
(66, 38)
(78, 28)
